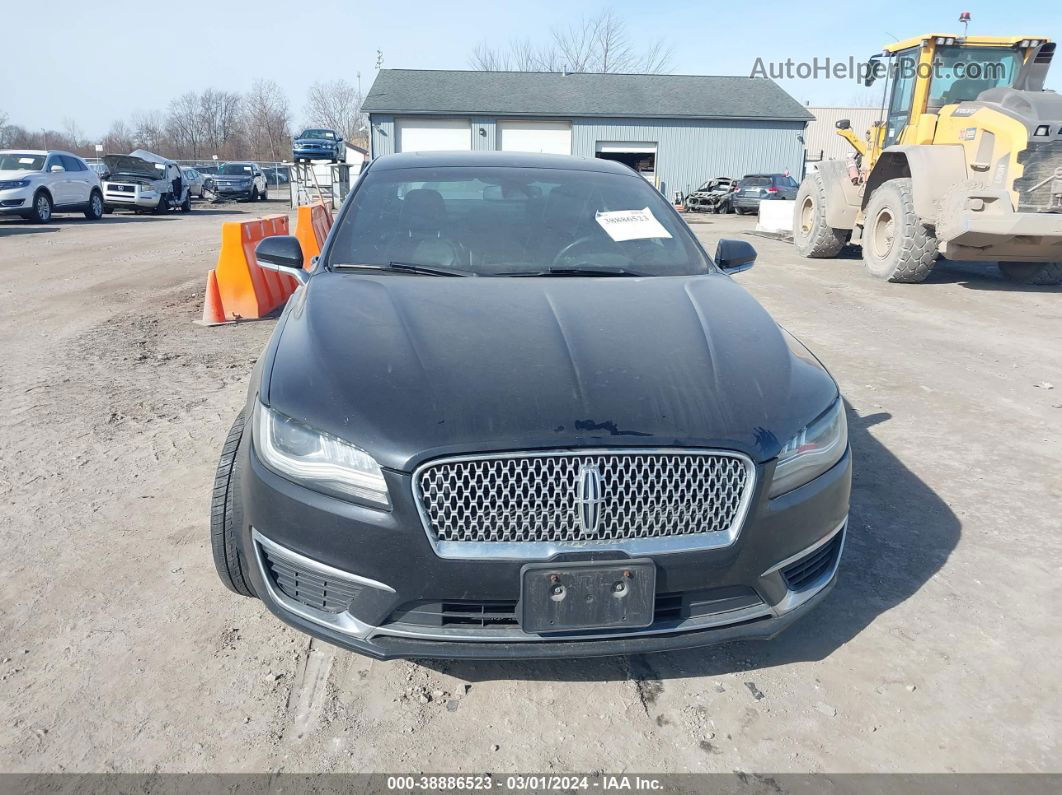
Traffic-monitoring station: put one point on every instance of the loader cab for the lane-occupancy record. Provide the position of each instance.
(926, 73)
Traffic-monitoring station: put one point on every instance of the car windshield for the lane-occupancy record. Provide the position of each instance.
(235, 169)
(331, 136)
(514, 221)
(17, 161)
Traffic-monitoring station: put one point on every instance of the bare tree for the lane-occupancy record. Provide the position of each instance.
(149, 130)
(118, 139)
(266, 120)
(5, 130)
(73, 134)
(184, 126)
(219, 120)
(599, 43)
(336, 105)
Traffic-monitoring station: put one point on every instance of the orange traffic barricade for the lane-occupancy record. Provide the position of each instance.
(311, 228)
(237, 289)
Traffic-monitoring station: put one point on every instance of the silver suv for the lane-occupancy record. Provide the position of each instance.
(35, 184)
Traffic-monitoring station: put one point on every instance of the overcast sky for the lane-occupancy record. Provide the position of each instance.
(95, 62)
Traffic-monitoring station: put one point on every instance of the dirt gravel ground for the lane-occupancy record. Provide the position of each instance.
(121, 651)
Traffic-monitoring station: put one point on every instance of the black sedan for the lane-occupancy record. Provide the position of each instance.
(516, 410)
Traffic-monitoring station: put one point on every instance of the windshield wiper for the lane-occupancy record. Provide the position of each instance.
(576, 271)
(405, 267)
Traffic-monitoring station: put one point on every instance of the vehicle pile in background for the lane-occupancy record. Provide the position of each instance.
(729, 195)
(35, 184)
(712, 197)
(142, 181)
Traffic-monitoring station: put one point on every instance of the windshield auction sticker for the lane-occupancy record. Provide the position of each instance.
(631, 225)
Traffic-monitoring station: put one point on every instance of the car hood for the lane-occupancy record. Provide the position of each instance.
(19, 174)
(413, 367)
(131, 165)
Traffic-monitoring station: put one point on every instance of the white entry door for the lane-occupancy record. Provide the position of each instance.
(433, 135)
(551, 137)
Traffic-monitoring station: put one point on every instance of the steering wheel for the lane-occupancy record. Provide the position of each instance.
(567, 250)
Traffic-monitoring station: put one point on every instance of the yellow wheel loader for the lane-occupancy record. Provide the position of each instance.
(966, 163)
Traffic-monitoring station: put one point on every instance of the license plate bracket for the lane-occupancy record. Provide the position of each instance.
(561, 597)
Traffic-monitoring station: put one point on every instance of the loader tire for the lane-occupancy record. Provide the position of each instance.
(226, 518)
(1040, 273)
(812, 236)
(897, 246)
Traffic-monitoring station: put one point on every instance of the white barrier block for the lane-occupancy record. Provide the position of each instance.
(776, 216)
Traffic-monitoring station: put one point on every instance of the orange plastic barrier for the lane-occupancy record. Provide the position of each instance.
(311, 228)
(237, 288)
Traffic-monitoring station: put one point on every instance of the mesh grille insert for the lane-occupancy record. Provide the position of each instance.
(538, 498)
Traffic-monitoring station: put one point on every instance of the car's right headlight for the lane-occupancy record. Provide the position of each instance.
(318, 460)
(813, 451)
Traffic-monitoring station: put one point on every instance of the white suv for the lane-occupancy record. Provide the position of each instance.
(35, 184)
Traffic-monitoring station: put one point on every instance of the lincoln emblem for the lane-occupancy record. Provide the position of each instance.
(588, 498)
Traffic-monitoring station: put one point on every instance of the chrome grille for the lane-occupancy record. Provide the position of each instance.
(537, 497)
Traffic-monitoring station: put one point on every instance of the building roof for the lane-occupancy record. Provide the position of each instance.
(417, 91)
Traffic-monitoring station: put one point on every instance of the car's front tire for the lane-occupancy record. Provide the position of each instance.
(41, 213)
(226, 516)
(94, 212)
(254, 194)
(186, 205)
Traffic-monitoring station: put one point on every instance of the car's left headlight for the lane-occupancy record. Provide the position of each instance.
(8, 184)
(810, 453)
(318, 460)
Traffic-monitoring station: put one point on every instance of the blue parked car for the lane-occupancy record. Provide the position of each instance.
(318, 144)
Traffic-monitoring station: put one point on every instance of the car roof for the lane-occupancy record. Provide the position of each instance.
(497, 160)
(38, 152)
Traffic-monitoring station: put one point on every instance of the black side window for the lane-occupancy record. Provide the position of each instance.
(53, 160)
(71, 163)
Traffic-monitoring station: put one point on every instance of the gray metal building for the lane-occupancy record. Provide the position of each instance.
(823, 142)
(676, 130)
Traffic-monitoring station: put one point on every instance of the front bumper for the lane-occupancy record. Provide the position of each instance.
(136, 199)
(752, 202)
(16, 201)
(241, 191)
(996, 233)
(314, 154)
(383, 562)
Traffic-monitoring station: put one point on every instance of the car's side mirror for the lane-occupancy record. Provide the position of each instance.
(57, 169)
(734, 256)
(283, 254)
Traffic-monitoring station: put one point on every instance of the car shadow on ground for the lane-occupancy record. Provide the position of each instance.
(10, 230)
(900, 534)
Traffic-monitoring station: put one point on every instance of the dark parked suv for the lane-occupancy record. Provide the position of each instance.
(516, 410)
(754, 188)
